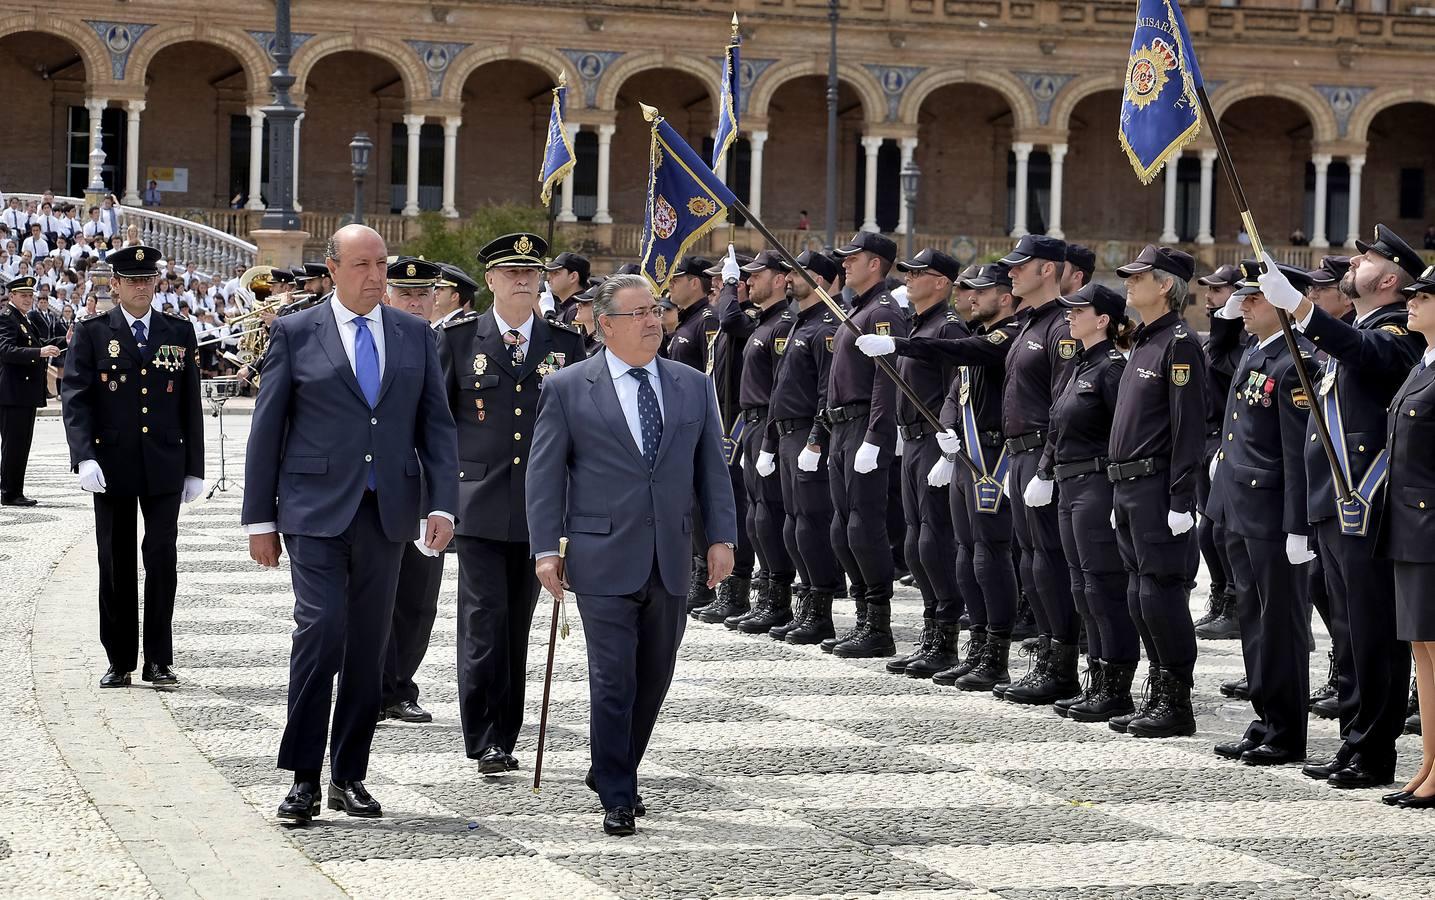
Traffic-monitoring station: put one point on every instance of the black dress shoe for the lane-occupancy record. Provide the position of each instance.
(618, 822)
(1266, 755)
(1360, 775)
(1395, 797)
(639, 809)
(1415, 801)
(1323, 770)
(493, 761)
(407, 711)
(157, 674)
(18, 500)
(302, 803)
(510, 762)
(1234, 749)
(354, 799)
(113, 678)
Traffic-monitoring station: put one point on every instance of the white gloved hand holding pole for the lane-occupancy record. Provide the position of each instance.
(1277, 287)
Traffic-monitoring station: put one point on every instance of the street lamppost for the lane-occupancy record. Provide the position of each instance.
(911, 177)
(282, 116)
(832, 124)
(359, 149)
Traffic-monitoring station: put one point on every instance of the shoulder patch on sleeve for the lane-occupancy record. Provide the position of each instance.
(883, 328)
(829, 342)
(998, 336)
(1299, 398)
(1180, 374)
(1394, 329)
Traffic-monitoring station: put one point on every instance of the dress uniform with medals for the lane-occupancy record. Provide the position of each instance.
(494, 370)
(22, 390)
(135, 426)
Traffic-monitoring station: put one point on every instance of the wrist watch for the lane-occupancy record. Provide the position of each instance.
(730, 545)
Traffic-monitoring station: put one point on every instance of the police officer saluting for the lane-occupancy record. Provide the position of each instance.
(494, 365)
(136, 433)
(24, 356)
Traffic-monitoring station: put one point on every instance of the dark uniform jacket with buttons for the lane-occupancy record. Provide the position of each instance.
(799, 388)
(855, 378)
(22, 368)
(1040, 359)
(1161, 410)
(1409, 517)
(689, 342)
(1225, 345)
(735, 323)
(137, 413)
(764, 349)
(930, 380)
(1081, 414)
(495, 406)
(1259, 487)
(1370, 361)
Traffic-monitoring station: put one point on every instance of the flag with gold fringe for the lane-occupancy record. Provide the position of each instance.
(558, 156)
(727, 127)
(686, 200)
(1160, 111)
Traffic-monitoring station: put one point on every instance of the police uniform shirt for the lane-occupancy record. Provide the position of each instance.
(799, 388)
(734, 323)
(930, 380)
(1081, 414)
(689, 342)
(855, 378)
(1161, 410)
(1041, 356)
(761, 354)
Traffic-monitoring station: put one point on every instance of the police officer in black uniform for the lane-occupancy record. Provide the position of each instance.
(24, 357)
(494, 365)
(794, 417)
(136, 432)
(1258, 495)
(1158, 436)
(1367, 363)
(567, 278)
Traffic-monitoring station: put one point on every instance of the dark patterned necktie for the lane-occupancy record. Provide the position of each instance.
(515, 341)
(650, 419)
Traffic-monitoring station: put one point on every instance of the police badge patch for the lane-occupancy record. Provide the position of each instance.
(884, 328)
(480, 364)
(996, 337)
(1299, 398)
(829, 343)
(779, 345)
(1180, 374)
(1066, 348)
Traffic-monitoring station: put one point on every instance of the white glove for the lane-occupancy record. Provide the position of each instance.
(949, 442)
(1215, 460)
(1298, 549)
(419, 544)
(1038, 491)
(1232, 309)
(1277, 287)
(731, 272)
(92, 479)
(808, 460)
(866, 459)
(766, 463)
(1113, 520)
(876, 344)
(941, 474)
(1179, 522)
(193, 487)
(900, 444)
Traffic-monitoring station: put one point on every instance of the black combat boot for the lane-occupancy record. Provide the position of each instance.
(976, 639)
(941, 654)
(1057, 678)
(800, 612)
(760, 586)
(873, 639)
(1148, 697)
(1215, 600)
(699, 594)
(1325, 701)
(816, 625)
(732, 598)
(898, 666)
(1025, 624)
(777, 612)
(1171, 715)
(1225, 626)
(1090, 690)
(1034, 649)
(991, 668)
(1114, 699)
(835, 639)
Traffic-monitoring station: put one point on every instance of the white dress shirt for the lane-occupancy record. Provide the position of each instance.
(526, 329)
(38, 247)
(131, 320)
(627, 387)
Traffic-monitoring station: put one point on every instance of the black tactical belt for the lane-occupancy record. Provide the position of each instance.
(788, 426)
(1024, 442)
(916, 431)
(1063, 471)
(754, 415)
(991, 438)
(1137, 468)
(848, 413)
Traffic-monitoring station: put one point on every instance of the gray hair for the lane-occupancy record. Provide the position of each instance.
(331, 249)
(605, 299)
(1177, 294)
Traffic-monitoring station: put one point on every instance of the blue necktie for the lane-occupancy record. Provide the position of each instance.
(366, 369)
(650, 419)
(140, 336)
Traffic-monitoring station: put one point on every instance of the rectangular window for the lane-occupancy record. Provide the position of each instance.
(430, 167)
(239, 159)
(1412, 194)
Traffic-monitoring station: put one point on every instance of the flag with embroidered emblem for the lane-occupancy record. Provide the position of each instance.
(1160, 109)
(558, 156)
(727, 127)
(685, 201)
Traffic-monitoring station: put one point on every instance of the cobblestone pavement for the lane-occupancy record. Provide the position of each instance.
(776, 771)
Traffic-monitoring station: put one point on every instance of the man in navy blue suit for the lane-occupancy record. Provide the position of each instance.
(623, 445)
(353, 405)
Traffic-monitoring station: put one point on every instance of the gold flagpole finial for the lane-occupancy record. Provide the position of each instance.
(562, 80)
(650, 114)
(734, 23)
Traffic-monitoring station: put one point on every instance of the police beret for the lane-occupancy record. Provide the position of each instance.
(767, 259)
(819, 263)
(23, 283)
(573, 262)
(935, 260)
(408, 271)
(1106, 301)
(134, 262)
(1036, 246)
(1390, 245)
(520, 250)
(1165, 259)
(872, 242)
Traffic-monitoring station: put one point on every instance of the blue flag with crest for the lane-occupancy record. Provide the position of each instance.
(685, 201)
(558, 151)
(727, 126)
(1160, 112)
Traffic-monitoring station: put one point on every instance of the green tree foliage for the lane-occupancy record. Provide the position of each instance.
(443, 241)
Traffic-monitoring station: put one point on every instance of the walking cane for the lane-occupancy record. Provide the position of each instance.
(548, 672)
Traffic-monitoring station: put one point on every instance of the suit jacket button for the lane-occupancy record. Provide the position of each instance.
(1422, 504)
(373, 421)
(518, 412)
(518, 388)
(368, 457)
(460, 474)
(518, 435)
(144, 371)
(517, 460)
(144, 429)
(648, 521)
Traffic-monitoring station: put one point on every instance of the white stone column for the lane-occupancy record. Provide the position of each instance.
(133, 108)
(602, 215)
(96, 107)
(1058, 164)
(565, 209)
(1203, 225)
(755, 140)
(1168, 220)
(1321, 162)
(1022, 151)
(256, 158)
(450, 164)
(909, 150)
(870, 145)
(295, 193)
(414, 124)
(1352, 221)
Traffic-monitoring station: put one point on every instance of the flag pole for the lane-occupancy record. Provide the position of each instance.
(1322, 430)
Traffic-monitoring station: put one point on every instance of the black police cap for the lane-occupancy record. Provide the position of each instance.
(1251, 273)
(134, 262)
(459, 280)
(1164, 259)
(935, 260)
(872, 242)
(408, 271)
(767, 259)
(573, 262)
(23, 283)
(1391, 246)
(820, 264)
(1332, 269)
(1225, 276)
(1036, 246)
(520, 250)
(695, 266)
(1102, 298)
(1081, 257)
(997, 274)
(315, 270)
(1425, 284)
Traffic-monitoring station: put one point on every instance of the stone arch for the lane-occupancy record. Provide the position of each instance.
(396, 53)
(1070, 97)
(1358, 129)
(250, 55)
(474, 58)
(704, 70)
(874, 102)
(1023, 107)
(1322, 118)
(88, 44)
